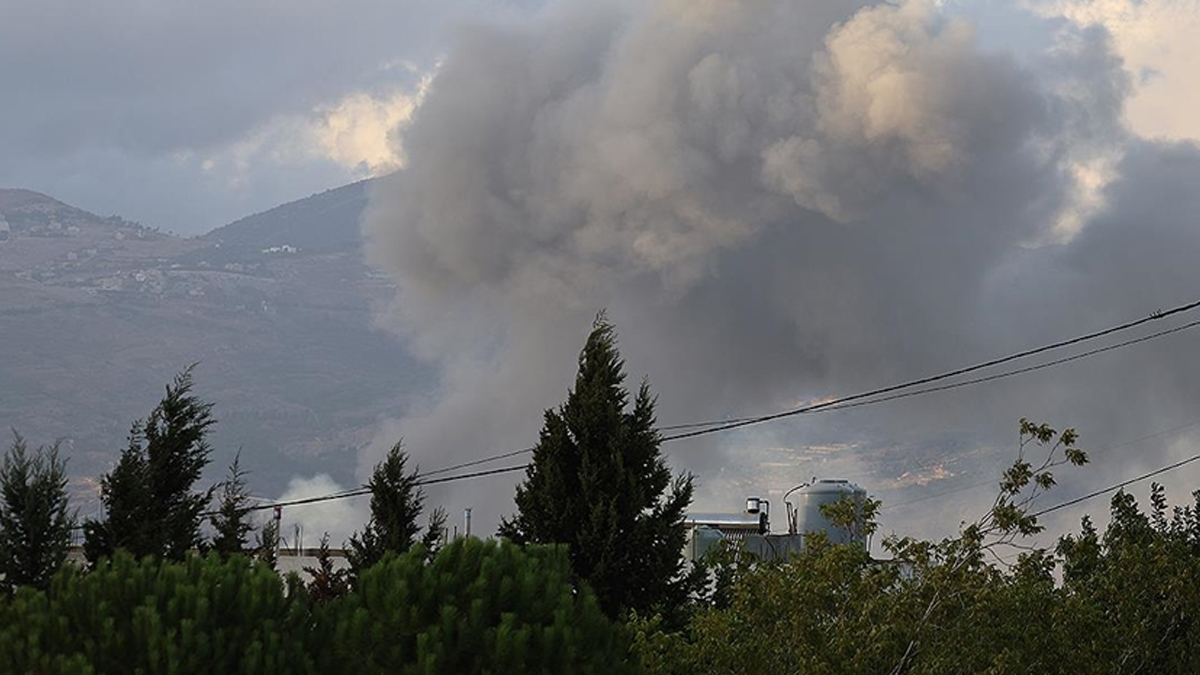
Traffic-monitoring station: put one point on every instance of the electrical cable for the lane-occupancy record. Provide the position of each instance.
(1118, 486)
(366, 491)
(934, 378)
(1019, 371)
(477, 462)
(854, 400)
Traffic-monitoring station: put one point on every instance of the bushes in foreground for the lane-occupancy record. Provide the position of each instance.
(1118, 601)
(477, 607)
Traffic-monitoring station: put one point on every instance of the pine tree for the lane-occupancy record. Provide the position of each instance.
(266, 544)
(326, 581)
(35, 523)
(476, 607)
(598, 483)
(151, 506)
(232, 519)
(396, 504)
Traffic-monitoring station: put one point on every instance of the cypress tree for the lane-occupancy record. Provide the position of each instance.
(396, 504)
(151, 506)
(266, 544)
(599, 484)
(326, 581)
(35, 524)
(232, 519)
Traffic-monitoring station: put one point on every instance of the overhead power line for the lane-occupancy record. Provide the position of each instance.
(1118, 486)
(366, 491)
(934, 378)
(477, 462)
(855, 400)
(1018, 371)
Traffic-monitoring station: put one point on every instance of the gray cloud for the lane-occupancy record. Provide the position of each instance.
(775, 203)
(105, 104)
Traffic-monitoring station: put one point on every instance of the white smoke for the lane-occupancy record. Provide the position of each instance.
(304, 525)
(774, 201)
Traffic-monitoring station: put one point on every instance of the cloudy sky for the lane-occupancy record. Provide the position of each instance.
(188, 115)
(776, 202)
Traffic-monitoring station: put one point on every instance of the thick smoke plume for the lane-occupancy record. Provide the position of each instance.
(778, 202)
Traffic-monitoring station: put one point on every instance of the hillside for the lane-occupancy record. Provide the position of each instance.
(323, 223)
(98, 313)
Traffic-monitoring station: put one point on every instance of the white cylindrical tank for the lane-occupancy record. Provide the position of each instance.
(811, 498)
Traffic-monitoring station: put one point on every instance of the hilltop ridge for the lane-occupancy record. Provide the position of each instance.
(98, 313)
(324, 222)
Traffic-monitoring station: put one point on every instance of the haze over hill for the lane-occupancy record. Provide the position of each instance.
(97, 313)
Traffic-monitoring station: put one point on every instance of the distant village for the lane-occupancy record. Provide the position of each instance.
(162, 265)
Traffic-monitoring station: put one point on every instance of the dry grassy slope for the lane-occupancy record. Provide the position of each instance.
(96, 314)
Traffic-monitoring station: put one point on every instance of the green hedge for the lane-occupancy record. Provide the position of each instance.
(478, 607)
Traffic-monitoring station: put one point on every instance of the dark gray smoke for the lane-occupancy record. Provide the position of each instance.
(778, 202)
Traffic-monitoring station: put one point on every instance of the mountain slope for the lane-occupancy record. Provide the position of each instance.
(323, 223)
(98, 313)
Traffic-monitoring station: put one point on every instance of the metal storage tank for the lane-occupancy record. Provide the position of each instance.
(706, 530)
(810, 499)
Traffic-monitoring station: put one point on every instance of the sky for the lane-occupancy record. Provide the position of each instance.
(775, 202)
(186, 116)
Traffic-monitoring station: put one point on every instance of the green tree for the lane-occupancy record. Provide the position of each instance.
(396, 503)
(937, 608)
(204, 615)
(599, 484)
(266, 544)
(232, 519)
(35, 520)
(149, 497)
(326, 581)
(476, 607)
(1138, 585)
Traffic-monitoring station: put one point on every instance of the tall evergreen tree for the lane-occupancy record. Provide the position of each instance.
(152, 508)
(396, 504)
(232, 519)
(266, 544)
(35, 523)
(327, 581)
(598, 483)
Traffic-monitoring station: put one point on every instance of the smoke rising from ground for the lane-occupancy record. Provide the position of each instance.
(776, 202)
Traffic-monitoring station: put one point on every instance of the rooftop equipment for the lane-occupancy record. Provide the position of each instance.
(806, 516)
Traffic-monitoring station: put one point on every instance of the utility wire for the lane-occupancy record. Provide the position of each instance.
(1118, 486)
(477, 462)
(857, 400)
(1019, 371)
(694, 425)
(854, 400)
(366, 491)
(933, 378)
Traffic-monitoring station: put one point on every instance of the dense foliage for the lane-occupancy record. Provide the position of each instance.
(474, 608)
(1122, 601)
(396, 504)
(1128, 601)
(477, 607)
(149, 498)
(598, 484)
(231, 522)
(203, 615)
(35, 519)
